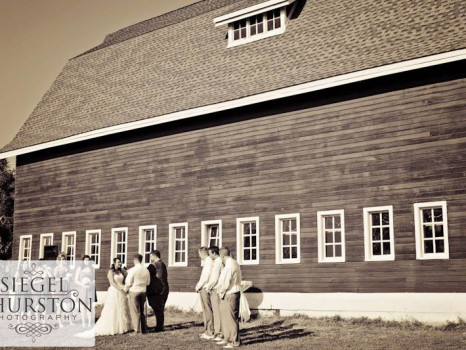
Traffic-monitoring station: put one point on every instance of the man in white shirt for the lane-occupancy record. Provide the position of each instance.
(217, 267)
(136, 284)
(205, 295)
(229, 290)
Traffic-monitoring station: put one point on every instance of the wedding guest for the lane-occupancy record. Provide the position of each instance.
(205, 295)
(217, 266)
(84, 277)
(229, 288)
(157, 291)
(136, 283)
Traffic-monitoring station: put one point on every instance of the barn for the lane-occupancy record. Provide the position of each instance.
(323, 141)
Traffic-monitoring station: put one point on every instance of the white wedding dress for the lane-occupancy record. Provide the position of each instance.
(115, 317)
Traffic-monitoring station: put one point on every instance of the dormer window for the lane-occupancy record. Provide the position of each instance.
(256, 22)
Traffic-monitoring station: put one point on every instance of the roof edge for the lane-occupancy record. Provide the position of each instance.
(394, 68)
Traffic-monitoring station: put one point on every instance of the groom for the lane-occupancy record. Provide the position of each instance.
(157, 291)
(136, 283)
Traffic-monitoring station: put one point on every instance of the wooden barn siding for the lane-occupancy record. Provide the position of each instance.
(395, 148)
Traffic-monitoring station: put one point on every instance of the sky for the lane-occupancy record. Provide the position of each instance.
(39, 36)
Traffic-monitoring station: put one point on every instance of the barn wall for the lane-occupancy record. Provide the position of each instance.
(395, 148)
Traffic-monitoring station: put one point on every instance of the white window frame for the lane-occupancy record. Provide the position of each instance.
(205, 239)
(368, 234)
(172, 245)
(21, 247)
(279, 239)
(64, 246)
(142, 240)
(321, 258)
(41, 243)
(239, 240)
(114, 245)
(88, 246)
(420, 255)
(265, 34)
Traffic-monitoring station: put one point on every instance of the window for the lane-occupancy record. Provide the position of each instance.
(247, 234)
(378, 233)
(25, 246)
(147, 241)
(258, 26)
(431, 230)
(211, 233)
(287, 238)
(68, 246)
(331, 236)
(93, 240)
(120, 245)
(46, 239)
(178, 242)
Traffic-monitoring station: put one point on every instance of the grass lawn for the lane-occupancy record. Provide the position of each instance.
(266, 333)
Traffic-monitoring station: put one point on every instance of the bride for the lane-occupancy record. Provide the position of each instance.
(115, 317)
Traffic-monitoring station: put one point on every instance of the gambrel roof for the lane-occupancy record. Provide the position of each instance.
(179, 63)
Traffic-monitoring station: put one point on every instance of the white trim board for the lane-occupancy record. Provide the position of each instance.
(339, 80)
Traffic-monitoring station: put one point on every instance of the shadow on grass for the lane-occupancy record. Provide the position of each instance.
(176, 327)
(272, 332)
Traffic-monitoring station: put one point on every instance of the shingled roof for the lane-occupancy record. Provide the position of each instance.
(180, 60)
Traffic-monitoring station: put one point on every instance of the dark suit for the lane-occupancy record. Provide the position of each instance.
(157, 291)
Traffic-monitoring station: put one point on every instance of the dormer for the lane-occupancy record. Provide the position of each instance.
(256, 22)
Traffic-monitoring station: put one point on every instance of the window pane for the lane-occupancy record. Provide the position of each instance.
(426, 215)
(375, 219)
(177, 257)
(376, 234)
(337, 236)
(385, 218)
(286, 240)
(286, 225)
(427, 231)
(438, 230)
(376, 249)
(247, 229)
(247, 254)
(260, 28)
(254, 241)
(254, 254)
(286, 253)
(236, 35)
(337, 221)
(329, 251)
(439, 246)
(253, 30)
(243, 32)
(328, 222)
(328, 237)
(148, 247)
(294, 239)
(277, 22)
(178, 245)
(294, 253)
(247, 241)
(386, 233)
(338, 250)
(428, 246)
(293, 225)
(386, 248)
(438, 214)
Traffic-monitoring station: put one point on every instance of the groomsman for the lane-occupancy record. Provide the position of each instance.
(158, 290)
(136, 283)
(229, 288)
(205, 295)
(214, 298)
